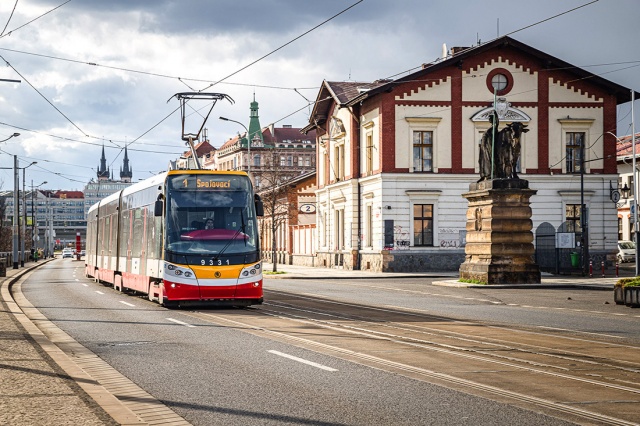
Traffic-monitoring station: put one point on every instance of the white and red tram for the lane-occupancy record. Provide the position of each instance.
(151, 238)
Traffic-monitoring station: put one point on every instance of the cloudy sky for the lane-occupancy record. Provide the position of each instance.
(97, 72)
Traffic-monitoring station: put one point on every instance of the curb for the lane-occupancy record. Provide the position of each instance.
(108, 402)
(581, 286)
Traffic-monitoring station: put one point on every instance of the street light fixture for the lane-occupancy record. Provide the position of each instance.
(15, 135)
(248, 142)
(625, 191)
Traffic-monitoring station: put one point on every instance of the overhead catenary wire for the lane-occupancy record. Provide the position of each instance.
(9, 19)
(259, 86)
(33, 20)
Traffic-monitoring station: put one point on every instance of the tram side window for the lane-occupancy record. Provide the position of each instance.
(138, 223)
(124, 233)
(152, 239)
(103, 233)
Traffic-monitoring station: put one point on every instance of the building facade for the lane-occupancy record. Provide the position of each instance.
(295, 236)
(395, 156)
(253, 152)
(626, 189)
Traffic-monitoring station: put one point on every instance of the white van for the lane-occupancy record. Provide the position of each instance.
(626, 251)
(67, 253)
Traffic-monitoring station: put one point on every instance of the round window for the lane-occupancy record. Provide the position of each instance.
(499, 82)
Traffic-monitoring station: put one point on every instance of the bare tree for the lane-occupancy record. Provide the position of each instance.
(276, 194)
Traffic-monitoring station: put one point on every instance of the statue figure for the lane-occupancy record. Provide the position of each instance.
(506, 150)
(510, 146)
(484, 160)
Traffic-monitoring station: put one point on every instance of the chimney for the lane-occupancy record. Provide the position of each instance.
(457, 49)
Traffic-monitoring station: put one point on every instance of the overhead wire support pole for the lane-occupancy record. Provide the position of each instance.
(635, 182)
(16, 208)
(185, 97)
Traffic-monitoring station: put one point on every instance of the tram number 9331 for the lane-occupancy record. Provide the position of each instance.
(214, 262)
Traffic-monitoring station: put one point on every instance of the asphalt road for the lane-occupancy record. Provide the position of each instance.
(579, 310)
(220, 371)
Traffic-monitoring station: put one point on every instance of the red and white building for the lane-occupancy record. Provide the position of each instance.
(394, 157)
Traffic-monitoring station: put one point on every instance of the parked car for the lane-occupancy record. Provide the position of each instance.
(626, 251)
(67, 253)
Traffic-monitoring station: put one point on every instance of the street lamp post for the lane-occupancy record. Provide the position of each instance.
(33, 215)
(16, 212)
(584, 223)
(24, 206)
(248, 142)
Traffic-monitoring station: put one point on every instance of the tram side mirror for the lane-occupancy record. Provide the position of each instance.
(157, 209)
(259, 206)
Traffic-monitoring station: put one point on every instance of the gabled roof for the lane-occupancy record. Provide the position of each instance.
(623, 94)
(345, 94)
(282, 134)
(69, 194)
(230, 142)
(202, 148)
(341, 93)
(624, 146)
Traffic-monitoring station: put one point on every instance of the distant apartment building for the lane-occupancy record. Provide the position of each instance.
(254, 151)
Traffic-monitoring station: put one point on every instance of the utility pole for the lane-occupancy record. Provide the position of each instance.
(635, 183)
(16, 214)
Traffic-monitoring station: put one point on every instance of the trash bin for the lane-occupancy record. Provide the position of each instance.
(575, 260)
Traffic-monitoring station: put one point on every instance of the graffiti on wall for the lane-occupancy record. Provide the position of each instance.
(451, 238)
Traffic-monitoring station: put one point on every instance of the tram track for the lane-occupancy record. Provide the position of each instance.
(551, 371)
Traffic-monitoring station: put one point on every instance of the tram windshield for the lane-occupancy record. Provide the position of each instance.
(210, 215)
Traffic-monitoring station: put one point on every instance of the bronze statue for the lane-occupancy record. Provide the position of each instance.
(506, 150)
(486, 154)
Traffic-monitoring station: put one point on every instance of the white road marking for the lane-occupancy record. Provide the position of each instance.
(304, 361)
(584, 332)
(86, 285)
(99, 292)
(127, 303)
(180, 322)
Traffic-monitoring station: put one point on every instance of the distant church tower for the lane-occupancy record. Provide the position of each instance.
(126, 173)
(255, 131)
(103, 170)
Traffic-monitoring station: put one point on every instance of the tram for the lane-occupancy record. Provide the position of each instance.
(183, 237)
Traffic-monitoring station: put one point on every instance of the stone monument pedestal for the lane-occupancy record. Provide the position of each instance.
(499, 248)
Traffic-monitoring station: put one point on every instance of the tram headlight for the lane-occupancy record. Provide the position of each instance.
(179, 271)
(252, 270)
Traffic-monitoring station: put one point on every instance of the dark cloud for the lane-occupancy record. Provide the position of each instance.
(225, 16)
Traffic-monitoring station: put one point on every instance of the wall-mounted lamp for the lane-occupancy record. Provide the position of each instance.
(626, 191)
(387, 207)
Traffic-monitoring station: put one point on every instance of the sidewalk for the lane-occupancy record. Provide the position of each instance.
(34, 388)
